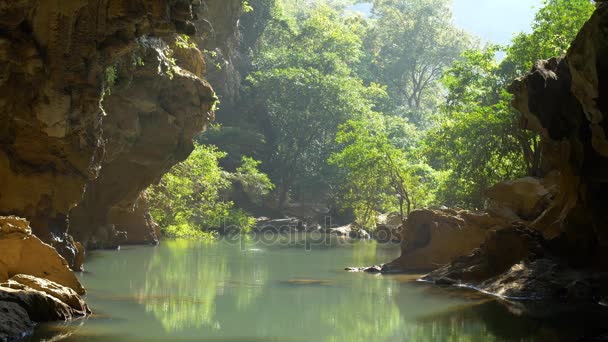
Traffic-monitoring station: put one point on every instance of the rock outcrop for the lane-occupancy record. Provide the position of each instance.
(565, 100)
(25, 299)
(431, 238)
(100, 98)
(554, 244)
(23, 253)
(36, 284)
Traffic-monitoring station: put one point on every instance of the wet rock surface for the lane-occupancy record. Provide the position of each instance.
(15, 323)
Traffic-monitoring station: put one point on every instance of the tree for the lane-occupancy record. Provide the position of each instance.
(412, 42)
(305, 88)
(379, 174)
(477, 138)
(189, 200)
(555, 26)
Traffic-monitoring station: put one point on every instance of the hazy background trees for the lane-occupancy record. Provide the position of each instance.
(389, 111)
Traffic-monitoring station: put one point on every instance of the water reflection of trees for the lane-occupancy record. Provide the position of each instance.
(222, 290)
(183, 283)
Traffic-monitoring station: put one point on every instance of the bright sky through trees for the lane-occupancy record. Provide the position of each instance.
(493, 20)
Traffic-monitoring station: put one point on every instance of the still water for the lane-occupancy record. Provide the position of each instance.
(287, 290)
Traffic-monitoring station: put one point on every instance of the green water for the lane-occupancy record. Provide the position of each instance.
(252, 290)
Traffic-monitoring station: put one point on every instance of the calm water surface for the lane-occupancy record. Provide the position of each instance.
(255, 291)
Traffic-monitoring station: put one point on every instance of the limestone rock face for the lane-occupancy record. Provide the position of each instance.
(99, 100)
(151, 121)
(23, 253)
(220, 34)
(566, 101)
(431, 238)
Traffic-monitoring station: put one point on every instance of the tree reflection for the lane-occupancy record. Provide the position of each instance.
(183, 282)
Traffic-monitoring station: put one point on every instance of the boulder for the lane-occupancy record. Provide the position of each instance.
(341, 231)
(517, 263)
(388, 228)
(389, 219)
(386, 233)
(522, 199)
(21, 252)
(501, 249)
(14, 321)
(63, 293)
(432, 238)
(39, 306)
(359, 234)
(284, 225)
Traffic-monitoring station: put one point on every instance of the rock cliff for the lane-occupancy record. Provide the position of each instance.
(99, 99)
(565, 100)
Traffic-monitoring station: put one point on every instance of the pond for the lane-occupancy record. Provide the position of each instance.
(290, 288)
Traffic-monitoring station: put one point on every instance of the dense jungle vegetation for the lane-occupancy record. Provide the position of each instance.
(391, 111)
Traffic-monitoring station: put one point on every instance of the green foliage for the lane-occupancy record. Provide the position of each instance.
(255, 183)
(110, 78)
(477, 140)
(555, 26)
(189, 201)
(305, 85)
(404, 105)
(246, 7)
(183, 42)
(410, 44)
(380, 171)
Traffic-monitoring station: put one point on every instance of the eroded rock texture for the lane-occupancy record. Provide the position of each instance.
(25, 299)
(23, 253)
(99, 98)
(566, 101)
(431, 238)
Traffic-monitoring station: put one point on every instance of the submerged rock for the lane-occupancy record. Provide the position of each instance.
(304, 282)
(368, 269)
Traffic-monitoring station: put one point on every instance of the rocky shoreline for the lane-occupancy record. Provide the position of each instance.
(36, 284)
